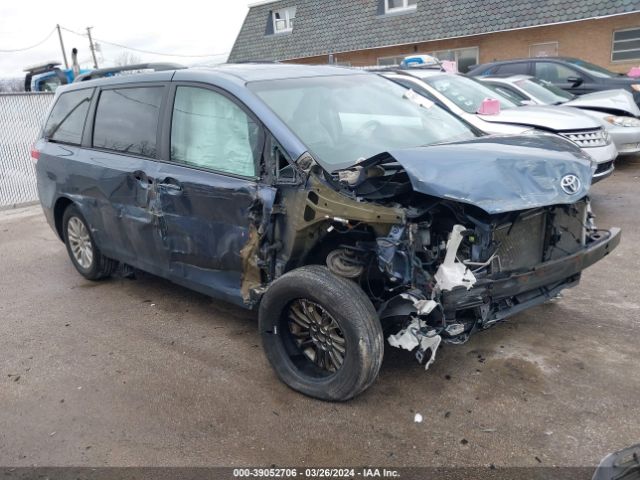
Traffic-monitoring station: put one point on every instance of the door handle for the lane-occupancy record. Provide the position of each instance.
(171, 185)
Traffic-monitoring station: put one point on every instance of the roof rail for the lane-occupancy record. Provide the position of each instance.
(42, 67)
(107, 72)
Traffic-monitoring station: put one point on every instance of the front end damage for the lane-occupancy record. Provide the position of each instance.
(440, 263)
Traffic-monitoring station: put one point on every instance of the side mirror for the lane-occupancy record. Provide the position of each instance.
(489, 106)
(575, 81)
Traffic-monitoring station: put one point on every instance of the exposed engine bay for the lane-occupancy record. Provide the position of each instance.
(446, 270)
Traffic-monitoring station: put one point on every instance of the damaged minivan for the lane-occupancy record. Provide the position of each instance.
(346, 209)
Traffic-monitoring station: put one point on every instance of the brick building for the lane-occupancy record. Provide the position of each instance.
(382, 32)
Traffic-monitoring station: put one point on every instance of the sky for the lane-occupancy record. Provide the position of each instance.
(183, 27)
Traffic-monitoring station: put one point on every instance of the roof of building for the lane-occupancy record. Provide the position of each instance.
(323, 27)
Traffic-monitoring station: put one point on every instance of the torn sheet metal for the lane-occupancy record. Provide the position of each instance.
(612, 101)
(452, 273)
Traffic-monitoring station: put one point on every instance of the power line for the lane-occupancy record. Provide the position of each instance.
(32, 46)
(147, 51)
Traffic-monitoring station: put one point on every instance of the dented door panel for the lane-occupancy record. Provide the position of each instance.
(204, 223)
(125, 189)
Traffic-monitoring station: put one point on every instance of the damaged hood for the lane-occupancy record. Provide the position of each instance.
(614, 101)
(496, 173)
(544, 117)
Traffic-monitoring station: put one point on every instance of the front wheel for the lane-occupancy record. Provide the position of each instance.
(321, 334)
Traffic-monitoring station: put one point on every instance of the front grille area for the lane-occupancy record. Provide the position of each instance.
(520, 243)
(568, 233)
(587, 138)
(540, 236)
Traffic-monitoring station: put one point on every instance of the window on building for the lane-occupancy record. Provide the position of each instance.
(464, 57)
(391, 6)
(391, 61)
(66, 122)
(626, 45)
(208, 130)
(283, 20)
(549, 49)
(127, 120)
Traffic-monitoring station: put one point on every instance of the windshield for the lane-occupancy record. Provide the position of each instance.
(544, 91)
(595, 70)
(467, 93)
(344, 119)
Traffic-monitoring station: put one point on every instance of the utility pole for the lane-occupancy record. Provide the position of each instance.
(92, 47)
(64, 54)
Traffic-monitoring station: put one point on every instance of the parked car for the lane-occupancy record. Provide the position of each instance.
(464, 96)
(614, 108)
(570, 74)
(344, 208)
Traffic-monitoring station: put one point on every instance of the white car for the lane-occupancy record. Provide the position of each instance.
(464, 97)
(615, 108)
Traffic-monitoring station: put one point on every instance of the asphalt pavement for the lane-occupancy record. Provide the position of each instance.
(145, 373)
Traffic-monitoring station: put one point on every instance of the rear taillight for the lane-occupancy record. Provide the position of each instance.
(35, 154)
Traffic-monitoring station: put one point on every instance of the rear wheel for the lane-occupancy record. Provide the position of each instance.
(83, 251)
(321, 334)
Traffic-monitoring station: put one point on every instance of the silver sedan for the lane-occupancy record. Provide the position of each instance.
(616, 109)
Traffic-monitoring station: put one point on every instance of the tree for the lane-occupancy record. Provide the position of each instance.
(127, 58)
(11, 85)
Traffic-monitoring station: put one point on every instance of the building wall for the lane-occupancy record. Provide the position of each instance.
(589, 40)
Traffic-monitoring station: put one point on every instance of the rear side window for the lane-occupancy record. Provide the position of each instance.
(127, 120)
(512, 69)
(66, 122)
(210, 131)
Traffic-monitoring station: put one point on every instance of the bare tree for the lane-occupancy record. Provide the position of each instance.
(127, 58)
(11, 85)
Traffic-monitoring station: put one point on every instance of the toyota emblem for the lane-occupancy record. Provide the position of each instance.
(570, 184)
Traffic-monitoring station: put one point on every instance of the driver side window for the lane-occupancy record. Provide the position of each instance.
(210, 131)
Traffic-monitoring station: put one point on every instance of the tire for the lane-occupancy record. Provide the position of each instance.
(77, 236)
(333, 301)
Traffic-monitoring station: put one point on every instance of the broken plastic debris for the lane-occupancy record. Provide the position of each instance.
(417, 418)
(423, 307)
(412, 336)
(429, 343)
(407, 338)
(451, 272)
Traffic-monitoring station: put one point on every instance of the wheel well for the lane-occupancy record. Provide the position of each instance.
(58, 212)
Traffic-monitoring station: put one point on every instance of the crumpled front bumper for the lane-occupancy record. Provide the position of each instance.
(515, 292)
(604, 158)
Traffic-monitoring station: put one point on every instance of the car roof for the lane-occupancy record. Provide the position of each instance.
(238, 73)
(424, 73)
(253, 72)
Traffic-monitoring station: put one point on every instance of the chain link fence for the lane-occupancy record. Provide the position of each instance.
(21, 118)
